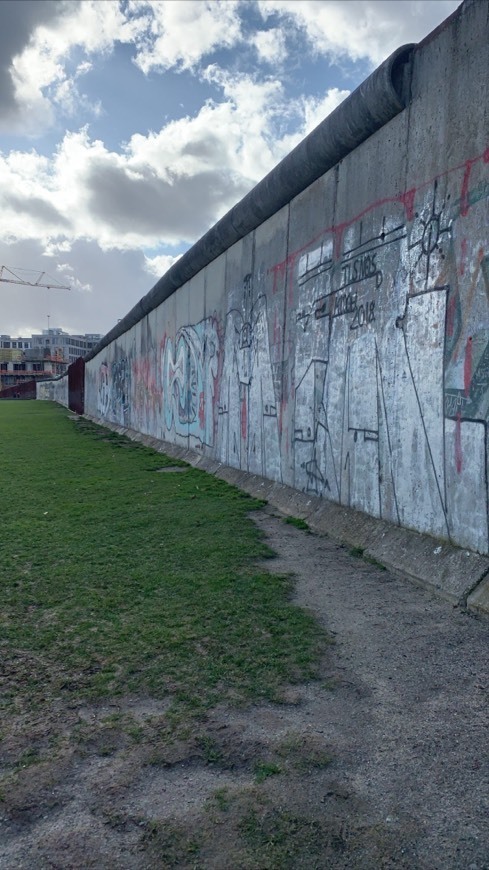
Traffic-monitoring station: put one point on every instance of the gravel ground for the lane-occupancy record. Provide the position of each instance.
(409, 719)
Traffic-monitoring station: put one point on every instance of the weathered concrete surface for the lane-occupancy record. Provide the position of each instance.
(341, 347)
(55, 390)
(458, 575)
(478, 600)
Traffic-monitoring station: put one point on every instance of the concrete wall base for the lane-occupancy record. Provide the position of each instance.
(458, 575)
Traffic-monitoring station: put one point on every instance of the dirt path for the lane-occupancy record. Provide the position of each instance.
(383, 763)
(409, 720)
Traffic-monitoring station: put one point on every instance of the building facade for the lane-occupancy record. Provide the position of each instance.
(41, 355)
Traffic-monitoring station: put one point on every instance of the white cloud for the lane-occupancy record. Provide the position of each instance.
(55, 248)
(34, 66)
(165, 35)
(270, 45)
(146, 195)
(69, 98)
(41, 64)
(359, 29)
(317, 109)
(181, 34)
(159, 265)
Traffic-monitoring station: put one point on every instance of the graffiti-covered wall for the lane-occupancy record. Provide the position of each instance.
(55, 390)
(342, 346)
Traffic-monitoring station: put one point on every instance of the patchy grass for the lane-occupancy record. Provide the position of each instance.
(264, 769)
(297, 522)
(116, 579)
(303, 753)
(253, 834)
(131, 606)
(359, 553)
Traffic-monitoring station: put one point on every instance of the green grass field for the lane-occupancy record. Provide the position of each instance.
(116, 578)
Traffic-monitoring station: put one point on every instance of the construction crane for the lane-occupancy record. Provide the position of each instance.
(14, 276)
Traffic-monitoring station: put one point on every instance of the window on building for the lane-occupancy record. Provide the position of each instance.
(37, 367)
(4, 367)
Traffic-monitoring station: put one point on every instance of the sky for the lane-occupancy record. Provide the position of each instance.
(129, 127)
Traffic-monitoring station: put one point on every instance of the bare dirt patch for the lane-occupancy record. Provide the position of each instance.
(381, 763)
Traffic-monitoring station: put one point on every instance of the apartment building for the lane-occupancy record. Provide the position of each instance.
(40, 356)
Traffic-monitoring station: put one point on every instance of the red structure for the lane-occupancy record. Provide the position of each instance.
(26, 390)
(76, 386)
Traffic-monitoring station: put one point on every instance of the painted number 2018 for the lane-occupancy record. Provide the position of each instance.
(363, 314)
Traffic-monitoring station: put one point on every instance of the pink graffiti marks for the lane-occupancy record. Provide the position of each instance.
(406, 198)
(451, 311)
(278, 272)
(468, 366)
(291, 259)
(464, 193)
(463, 257)
(147, 395)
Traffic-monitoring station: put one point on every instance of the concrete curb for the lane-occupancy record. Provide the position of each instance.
(460, 576)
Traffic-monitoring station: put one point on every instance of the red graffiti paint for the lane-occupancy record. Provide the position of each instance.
(458, 444)
(244, 418)
(290, 276)
(278, 274)
(464, 193)
(463, 257)
(451, 308)
(468, 366)
(338, 233)
(407, 200)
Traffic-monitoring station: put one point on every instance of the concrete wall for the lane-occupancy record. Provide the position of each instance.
(342, 347)
(55, 390)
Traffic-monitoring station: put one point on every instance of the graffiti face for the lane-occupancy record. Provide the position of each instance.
(248, 434)
(103, 398)
(113, 391)
(189, 372)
